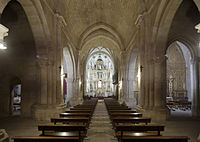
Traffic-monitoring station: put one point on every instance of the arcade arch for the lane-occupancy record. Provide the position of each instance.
(68, 75)
(21, 56)
(99, 71)
(180, 80)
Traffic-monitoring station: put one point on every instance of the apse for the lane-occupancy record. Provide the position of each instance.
(99, 74)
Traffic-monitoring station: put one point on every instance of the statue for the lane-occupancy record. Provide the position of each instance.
(171, 85)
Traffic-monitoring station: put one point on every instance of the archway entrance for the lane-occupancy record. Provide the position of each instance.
(133, 76)
(67, 75)
(99, 74)
(179, 80)
(16, 100)
(18, 63)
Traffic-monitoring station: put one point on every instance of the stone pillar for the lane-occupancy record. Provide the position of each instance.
(151, 83)
(75, 96)
(45, 107)
(160, 111)
(43, 80)
(195, 89)
(198, 139)
(141, 75)
(3, 136)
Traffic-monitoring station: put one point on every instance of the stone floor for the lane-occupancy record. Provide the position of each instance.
(100, 127)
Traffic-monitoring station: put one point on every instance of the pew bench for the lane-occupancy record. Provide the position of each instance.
(81, 108)
(64, 130)
(155, 139)
(75, 119)
(126, 114)
(118, 108)
(135, 120)
(44, 139)
(75, 114)
(122, 111)
(135, 130)
(78, 111)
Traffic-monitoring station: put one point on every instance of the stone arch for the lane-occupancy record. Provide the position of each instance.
(162, 24)
(38, 23)
(132, 90)
(21, 58)
(100, 29)
(69, 69)
(163, 20)
(191, 77)
(103, 41)
(187, 43)
(14, 80)
(97, 57)
(101, 33)
(161, 39)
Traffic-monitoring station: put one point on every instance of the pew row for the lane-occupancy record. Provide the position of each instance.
(44, 139)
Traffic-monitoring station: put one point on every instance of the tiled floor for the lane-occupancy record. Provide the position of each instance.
(100, 128)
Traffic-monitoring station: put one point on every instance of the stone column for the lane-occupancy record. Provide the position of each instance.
(195, 89)
(141, 75)
(50, 83)
(43, 64)
(160, 111)
(151, 83)
(3, 136)
(46, 108)
(160, 82)
(198, 139)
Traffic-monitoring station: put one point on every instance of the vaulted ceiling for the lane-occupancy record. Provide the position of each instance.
(121, 15)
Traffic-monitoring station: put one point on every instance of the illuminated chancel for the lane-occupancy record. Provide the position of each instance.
(99, 72)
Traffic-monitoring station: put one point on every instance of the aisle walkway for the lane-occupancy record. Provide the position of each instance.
(100, 129)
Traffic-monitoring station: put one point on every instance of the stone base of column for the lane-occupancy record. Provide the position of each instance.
(46, 112)
(3, 136)
(74, 101)
(131, 102)
(196, 111)
(198, 139)
(156, 114)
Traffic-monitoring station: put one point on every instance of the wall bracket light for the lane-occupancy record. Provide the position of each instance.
(3, 33)
(197, 27)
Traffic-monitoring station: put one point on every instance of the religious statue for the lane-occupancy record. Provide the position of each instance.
(171, 85)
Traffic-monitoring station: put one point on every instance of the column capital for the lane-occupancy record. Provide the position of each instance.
(43, 62)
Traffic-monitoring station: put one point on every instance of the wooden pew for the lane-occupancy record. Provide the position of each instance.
(126, 114)
(140, 136)
(75, 114)
(80, 108)
(118, 108)
(134, 129)
(75, 119)
(78, 111)
(134, 120)
(44, 139)
(63, 130)
(155, 139)
(122, 111)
